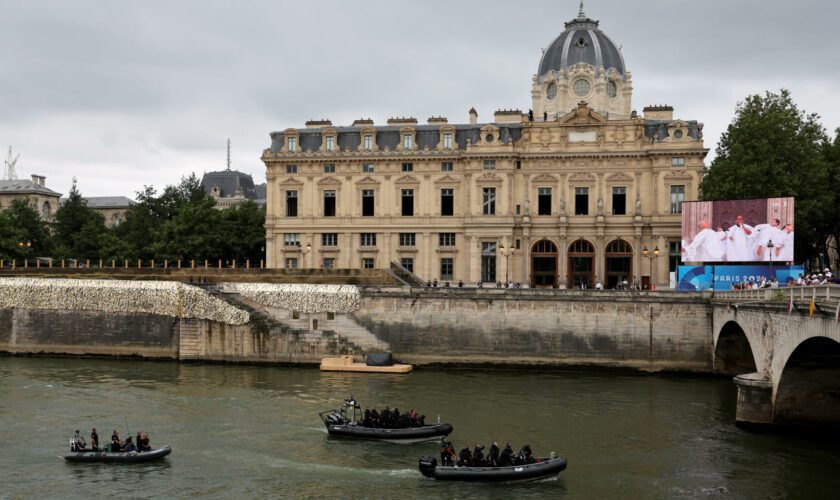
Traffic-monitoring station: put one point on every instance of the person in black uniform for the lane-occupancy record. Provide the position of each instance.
(447, 454)
(493, 455)
(525, 455)
(505, 458)
(116, 444)
(374, 418)
(465, 457)
(94, 440)
(478, 456)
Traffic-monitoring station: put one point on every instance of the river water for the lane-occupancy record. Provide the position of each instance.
(253, 431)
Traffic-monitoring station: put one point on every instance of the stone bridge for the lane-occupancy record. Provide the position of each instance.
(786, 363)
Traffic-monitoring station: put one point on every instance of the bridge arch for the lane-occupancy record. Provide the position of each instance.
(808, 390)
(734, 354)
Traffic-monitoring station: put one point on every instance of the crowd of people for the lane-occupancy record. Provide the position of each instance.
(139, 443)
(741, 242)
(392, 419)
(476, 457)
(445, 284)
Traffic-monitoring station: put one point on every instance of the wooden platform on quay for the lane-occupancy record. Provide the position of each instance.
(346, 364)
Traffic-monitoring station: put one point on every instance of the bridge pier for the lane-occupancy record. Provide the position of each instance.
(755, 400)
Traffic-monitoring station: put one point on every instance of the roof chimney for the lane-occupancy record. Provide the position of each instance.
(658, 112)
(473, 116)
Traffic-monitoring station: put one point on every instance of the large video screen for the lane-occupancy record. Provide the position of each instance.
(738, 231)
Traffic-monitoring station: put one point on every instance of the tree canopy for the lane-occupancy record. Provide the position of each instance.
(774, 149)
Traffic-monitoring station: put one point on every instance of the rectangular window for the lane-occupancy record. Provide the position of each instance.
(291, 169)
(518, 244)
(329, 263)
(619, 200)
(368, 142)
(674, 255)
(367, 202)
(291, 204)
(367, 239)
(488, 262)
(544, 201)
(447, 264)
(367, 168)
(329, 239)
(407, 263)
(446, 239)
(447, 141)
(489, 164)
(408, 167)
(678, 162)
(291, 239)
(329, 168)
(407, 141)
(582, 201)
(446, 166)
(489, 201)
(407, 196)
(329, 203)
(677, 199)
(330, 143)
(291, 263)
(367, 263)
(292, 144)
(407, 239)
(447, 202)
(518, 164)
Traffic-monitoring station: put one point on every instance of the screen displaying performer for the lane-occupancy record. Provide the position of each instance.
(738, 230)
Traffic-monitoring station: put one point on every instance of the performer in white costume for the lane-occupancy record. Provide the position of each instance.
(723, 239)
(738, 248)
(772, 232)
(786, 250)
(706, 246)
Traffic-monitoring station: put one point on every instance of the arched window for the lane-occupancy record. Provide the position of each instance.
(46, 210)
(581, 246)
(544, 246)
(619, 246)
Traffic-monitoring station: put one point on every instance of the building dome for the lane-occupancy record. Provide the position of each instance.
(581, 42)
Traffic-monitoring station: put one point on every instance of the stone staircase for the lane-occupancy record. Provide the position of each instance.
(341, 335)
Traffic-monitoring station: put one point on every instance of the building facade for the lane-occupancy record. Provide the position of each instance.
(581, 189)
(44, 199)
(231, 187)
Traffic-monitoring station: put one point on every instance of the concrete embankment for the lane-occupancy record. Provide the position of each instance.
(300, 324)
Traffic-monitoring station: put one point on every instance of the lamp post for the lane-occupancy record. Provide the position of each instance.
(507, 253)
(25, 246)
(770, 246)
(647, 254)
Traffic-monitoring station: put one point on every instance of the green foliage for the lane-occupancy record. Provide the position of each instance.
(831, 220)
(77, 228)
(773, 149)
(21, 223)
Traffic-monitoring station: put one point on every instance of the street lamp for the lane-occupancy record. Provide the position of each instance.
(646, 254)
(507, 253)
(770, 246)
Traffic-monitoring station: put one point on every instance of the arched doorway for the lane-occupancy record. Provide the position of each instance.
(544, 264)
(618, 264)
(581, 264)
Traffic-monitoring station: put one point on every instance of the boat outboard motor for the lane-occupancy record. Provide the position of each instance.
(428, 465)
(334, 419)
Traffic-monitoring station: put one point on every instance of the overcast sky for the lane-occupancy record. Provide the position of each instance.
(126, 94)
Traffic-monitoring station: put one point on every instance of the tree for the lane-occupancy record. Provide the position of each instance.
(244, 232)
(831, 220)
(773, 149)
(78, 228)
(24, 225)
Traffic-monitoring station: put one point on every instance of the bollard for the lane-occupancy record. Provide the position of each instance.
(25, 263)
(220, 263)
(247, 263)
(166, 264)
(192, 264)
(152, 265)
(62, 263)
(261, 264)
(126, 263)
(87, 263)
(37, 264)
(139, 263)
(179, 263)
(205, 263)
(100, 263)
(50, 263)
(113, 263)
(233, 264)
(14, 263)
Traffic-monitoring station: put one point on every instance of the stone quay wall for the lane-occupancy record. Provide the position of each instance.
(647, 331)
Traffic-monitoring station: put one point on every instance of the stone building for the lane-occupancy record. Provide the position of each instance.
(113, 208)
(45, 199)
(570, 193)
(231, 187)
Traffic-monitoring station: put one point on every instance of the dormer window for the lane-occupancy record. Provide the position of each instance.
(581, 42)
(330, 143)
(408, 141)
(447, 141)
(368, 142)
(292, 144)
(612, 89)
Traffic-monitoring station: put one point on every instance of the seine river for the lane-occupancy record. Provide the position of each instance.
(254, 432)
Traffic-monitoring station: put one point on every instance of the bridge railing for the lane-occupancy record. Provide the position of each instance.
(817, 292)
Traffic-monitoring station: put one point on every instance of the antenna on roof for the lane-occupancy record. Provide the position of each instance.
(581, 15)
(10, 173)
(228, 151)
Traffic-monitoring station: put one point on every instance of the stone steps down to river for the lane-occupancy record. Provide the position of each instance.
(327, 304)
(347, 336)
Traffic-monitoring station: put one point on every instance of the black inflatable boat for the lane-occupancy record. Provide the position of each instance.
(541, 469)
(122, 456)
(347, 423)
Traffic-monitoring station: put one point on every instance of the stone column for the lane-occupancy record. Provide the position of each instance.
(755, 400)
(474, 263)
